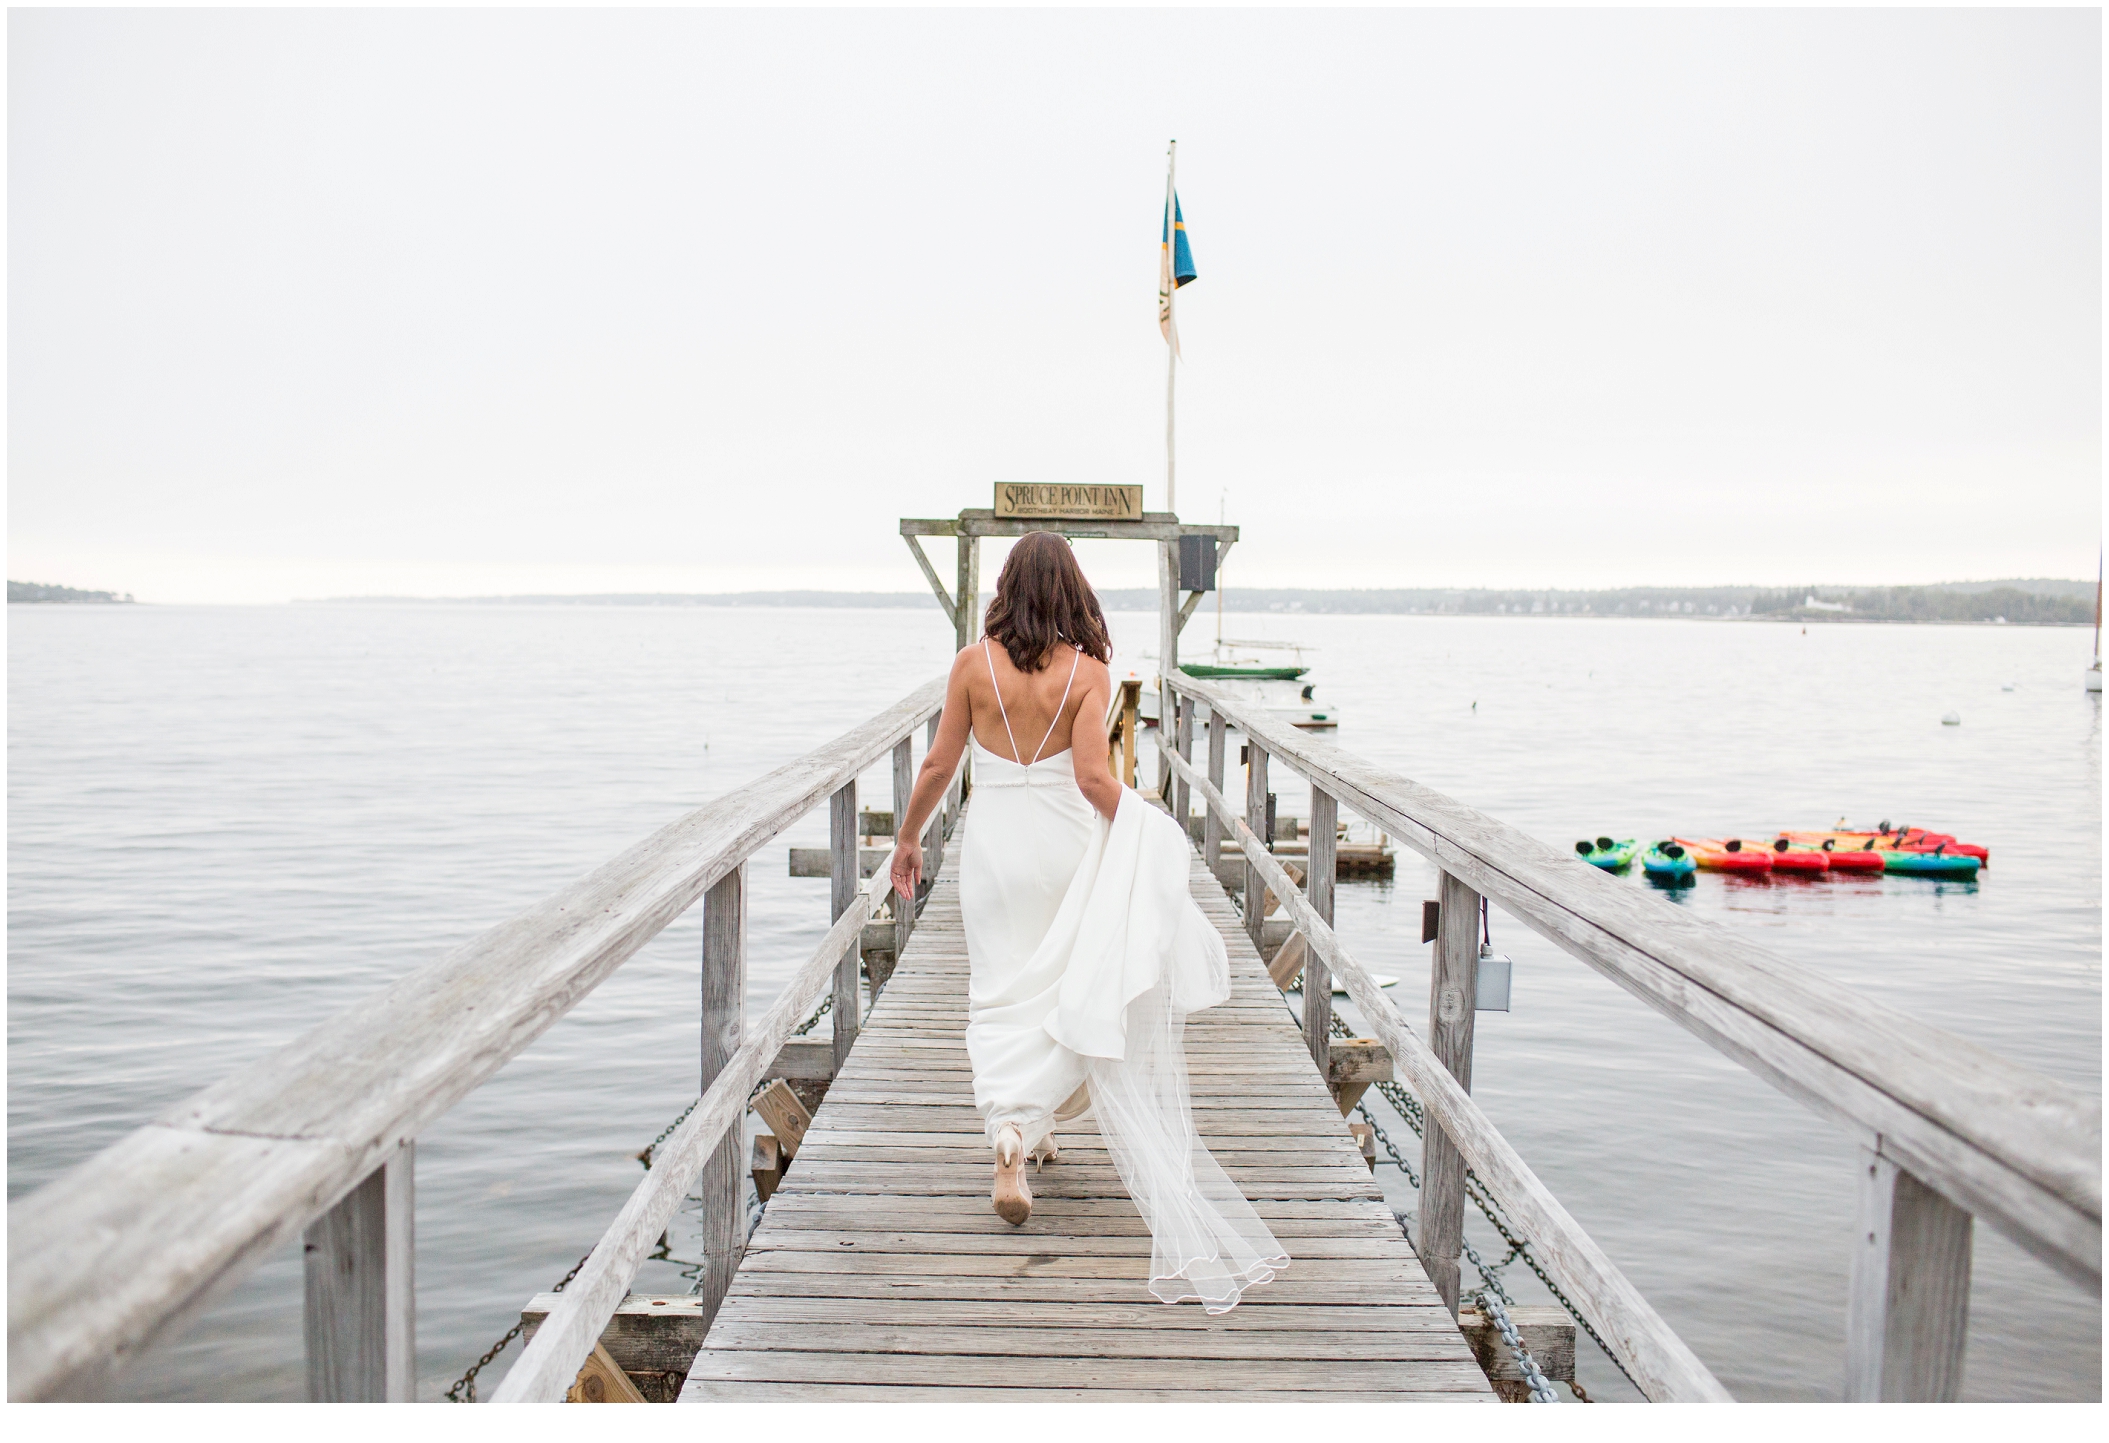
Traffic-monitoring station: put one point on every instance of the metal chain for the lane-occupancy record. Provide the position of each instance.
(827, 1005)
(1409, 1108)
(464, 1389)
(1540, 1390)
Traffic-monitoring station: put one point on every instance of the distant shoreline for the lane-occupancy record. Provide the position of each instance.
(34, 593)
(2020, 602)
(2033, 601)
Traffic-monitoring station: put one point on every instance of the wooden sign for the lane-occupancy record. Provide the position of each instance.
(1084, 503)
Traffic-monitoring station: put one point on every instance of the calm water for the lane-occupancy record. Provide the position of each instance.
(225, 824)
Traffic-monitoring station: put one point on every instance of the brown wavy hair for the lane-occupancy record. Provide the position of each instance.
(1042, 598)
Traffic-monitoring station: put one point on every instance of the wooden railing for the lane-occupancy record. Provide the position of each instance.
(1123, 721)
(1946, 1130)
(320, 1137)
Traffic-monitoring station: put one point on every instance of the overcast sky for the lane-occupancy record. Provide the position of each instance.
(307, 304)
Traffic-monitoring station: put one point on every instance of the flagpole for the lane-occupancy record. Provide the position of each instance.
(1171, 290)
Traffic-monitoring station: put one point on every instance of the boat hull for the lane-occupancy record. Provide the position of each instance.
(1663, 868)
(1929, 864)
(1711, 856)
(1243, 673)
(1907, 839)
(1612, 858)
(1798, 861)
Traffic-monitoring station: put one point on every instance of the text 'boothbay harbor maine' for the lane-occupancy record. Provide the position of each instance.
(848, 1250)
(1083, 503)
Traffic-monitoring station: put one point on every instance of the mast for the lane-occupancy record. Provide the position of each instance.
(1171, 290)
(1222, 511)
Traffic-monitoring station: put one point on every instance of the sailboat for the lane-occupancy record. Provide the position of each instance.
(1225, 663)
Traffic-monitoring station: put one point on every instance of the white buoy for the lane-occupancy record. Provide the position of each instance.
(1952, 719)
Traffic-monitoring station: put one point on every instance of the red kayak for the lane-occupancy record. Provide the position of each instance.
(1792, 860)
(1841, 856)
(1909, 839)
(1715, 855)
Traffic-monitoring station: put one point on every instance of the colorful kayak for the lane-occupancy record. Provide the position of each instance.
(1606, 853)
(1667, 862)
(1843, 858)
(1791, 860)
(1913, 839)
(1914, 863)
(1715, 855)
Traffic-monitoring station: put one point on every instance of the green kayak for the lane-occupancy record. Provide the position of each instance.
(1929, 864)
(1606, 853)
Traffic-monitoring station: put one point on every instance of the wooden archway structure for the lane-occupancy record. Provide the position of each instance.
(962, 604)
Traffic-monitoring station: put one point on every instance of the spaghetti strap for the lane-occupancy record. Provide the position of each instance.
(1059, 707)
(1006, 711)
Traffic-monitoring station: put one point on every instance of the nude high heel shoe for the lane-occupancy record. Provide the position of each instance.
(1013, 1199)
(1045, 1151)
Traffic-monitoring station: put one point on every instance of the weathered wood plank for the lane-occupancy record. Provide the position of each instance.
(1431, 1318)
(1286, 1291)
(724, 1017)
(903, 909)
(842, 866)
(1452, 1006)
(1176, 1345)
(360, 1312)
(820, 861)
(1186, 1375)
(1255, 818)
(1318, 892)
(1908, 1301)
(843, 1246)
(704, 1391)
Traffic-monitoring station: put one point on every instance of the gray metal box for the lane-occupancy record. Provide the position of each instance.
(1197, 563)
(1493, 985)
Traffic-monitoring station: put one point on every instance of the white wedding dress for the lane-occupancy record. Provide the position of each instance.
(1086, 953)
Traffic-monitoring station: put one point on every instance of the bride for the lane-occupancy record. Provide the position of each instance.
(1085, 949)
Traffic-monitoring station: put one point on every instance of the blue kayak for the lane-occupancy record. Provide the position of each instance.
(1667, 862)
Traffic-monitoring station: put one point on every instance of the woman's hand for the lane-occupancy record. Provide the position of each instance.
(907, 867)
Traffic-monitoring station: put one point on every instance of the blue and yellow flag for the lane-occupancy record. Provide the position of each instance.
(1175, 267)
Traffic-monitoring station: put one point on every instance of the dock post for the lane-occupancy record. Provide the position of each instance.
(1453, 998)
(724, 1023)
(1256, 818)
(1319, 865)
(1167, 651)
(941, 819)
(1907, 1312)
(360, 1313)
(1212, 824)
(967, 616)
(1182, 792)
(842, 872)
(903, 788)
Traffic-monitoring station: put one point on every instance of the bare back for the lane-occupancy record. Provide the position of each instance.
(1041, 707)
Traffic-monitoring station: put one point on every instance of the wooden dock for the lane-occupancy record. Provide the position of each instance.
(880, 1272)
